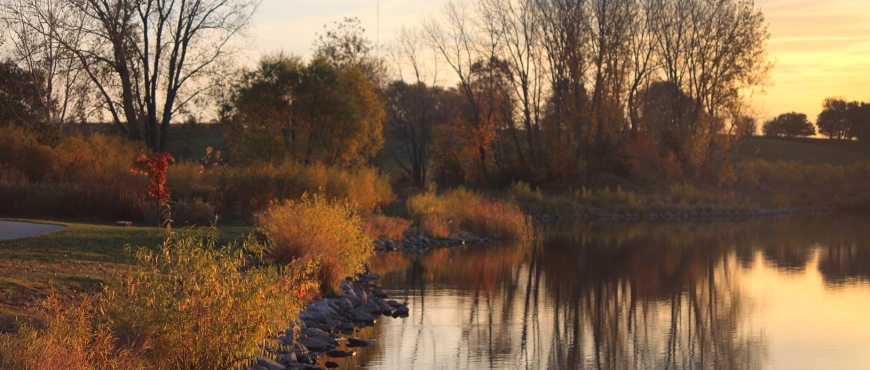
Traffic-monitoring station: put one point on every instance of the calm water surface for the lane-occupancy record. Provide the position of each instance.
(765, 294)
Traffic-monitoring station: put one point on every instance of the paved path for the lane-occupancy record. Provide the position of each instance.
(16, 230)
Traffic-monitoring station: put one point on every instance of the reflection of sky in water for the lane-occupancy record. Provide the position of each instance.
(811, 324)
(765, 294)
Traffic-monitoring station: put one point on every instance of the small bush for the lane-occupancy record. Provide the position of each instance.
(460, 210)
(315, 230)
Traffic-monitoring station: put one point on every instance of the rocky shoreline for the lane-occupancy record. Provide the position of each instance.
(717, 215)
(421, 243)
(329, 324)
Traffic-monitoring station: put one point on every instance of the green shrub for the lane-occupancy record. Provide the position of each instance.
(315, 230)
(460, 210)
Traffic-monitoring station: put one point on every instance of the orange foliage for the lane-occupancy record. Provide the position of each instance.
(155, 168)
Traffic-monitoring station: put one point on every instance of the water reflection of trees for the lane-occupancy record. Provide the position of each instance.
(618, 296)
(648, 297)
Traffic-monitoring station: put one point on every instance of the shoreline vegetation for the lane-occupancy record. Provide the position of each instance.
(309, 228)
(313, 164)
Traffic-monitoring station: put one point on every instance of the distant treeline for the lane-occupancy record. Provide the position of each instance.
(840, 119)
(545, 90)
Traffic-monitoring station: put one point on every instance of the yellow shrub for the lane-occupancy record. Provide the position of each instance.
(317, 231)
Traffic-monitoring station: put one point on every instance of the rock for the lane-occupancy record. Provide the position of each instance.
(287, 340)
(337, 353)
(123, 223)
(331, 365)
(256, 367)
(315, 344)
(360, 315)
(379, 294)
(269, 364)
(356, 342)
(401, 311)
(288, 357)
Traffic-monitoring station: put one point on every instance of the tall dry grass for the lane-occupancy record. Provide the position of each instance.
(460, 211)
(79, 176)
(89, 176)
(314, 230)
(239, 192)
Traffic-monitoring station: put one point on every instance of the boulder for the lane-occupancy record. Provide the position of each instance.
(337, 353)
(269, 364)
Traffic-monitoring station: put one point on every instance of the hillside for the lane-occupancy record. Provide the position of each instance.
(806, 150)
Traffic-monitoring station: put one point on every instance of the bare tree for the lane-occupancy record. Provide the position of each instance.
(519, 25)
(412, 106)
(463, 48)
(149, 59)
(65, 87)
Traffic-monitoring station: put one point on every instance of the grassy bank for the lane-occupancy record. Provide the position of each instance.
(805, 150)
(79, 258)
(187, 303)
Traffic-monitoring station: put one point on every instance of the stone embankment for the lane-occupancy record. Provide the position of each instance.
(327, 326)
(690, 216)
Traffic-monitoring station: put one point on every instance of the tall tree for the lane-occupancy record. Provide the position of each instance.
(149, 59)
(65, 91)
(308, 113)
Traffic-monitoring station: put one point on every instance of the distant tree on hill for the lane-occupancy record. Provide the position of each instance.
(858, 117)
(834, 121)
(789, 125)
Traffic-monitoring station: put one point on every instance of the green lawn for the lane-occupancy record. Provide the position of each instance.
(806, 150)
(80, 258)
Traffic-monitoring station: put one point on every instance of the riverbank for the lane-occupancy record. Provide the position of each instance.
(716, 215)
(323, 335)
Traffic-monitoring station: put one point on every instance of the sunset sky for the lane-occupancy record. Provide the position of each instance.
(821, 48)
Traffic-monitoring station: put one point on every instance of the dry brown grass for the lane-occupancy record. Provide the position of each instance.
(460, 211)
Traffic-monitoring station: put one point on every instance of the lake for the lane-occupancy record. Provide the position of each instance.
(757, 294)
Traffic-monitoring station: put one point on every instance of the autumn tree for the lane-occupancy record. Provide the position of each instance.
(789, 125)
(305, 112)
(412, 113)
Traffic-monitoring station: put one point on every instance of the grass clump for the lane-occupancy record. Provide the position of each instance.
(187, 304)
(314, 230)
(460, 210)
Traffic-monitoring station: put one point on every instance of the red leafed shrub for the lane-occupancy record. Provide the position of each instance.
(155, 168)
